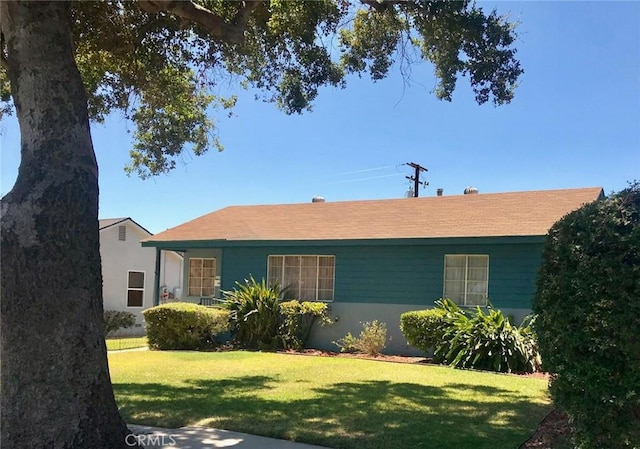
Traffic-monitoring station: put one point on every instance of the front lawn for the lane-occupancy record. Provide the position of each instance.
(329, 401)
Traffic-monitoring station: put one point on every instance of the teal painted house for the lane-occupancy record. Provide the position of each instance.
(373, 260)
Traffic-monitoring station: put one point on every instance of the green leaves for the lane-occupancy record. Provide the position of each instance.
(255, 311)
(472, 339)
(296, 320)
(262, 321)
(172, 114)
(489, 341)
(372, 339)
(424, 329)
(589, 318)
(161, 63)
(182, 325)
(115, 320)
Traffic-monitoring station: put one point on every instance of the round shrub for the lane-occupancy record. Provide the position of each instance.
(115, 320)
(588, 306)
(424, 329)
(183, 325)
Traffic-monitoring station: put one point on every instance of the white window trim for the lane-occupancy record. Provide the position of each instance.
(216, 280)
(466, 279)
(317, 256)
(144, 273)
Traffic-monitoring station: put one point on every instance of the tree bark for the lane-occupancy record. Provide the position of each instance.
(56, 391)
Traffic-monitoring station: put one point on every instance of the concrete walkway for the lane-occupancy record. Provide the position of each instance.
(206, 438)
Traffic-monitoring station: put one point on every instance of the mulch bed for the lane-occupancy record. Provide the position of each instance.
(554, 432)
(386, 358)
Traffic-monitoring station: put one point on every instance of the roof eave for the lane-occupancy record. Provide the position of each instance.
(183, 245)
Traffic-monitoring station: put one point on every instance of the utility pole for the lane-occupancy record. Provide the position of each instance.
(416, 177)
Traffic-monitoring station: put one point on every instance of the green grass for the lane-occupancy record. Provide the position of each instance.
(329, 401)
(116, 344)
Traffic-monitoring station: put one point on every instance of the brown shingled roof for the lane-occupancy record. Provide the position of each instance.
(476, 215)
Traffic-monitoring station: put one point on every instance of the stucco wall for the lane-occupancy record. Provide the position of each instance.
(350, 317)
(120, 257)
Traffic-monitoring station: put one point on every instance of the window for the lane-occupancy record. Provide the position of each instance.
(202, 276)
(308, 278)
(466, 279)
(135, 288)
(122, 233)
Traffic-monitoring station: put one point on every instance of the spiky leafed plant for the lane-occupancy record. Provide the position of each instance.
(255, 311)
(486, 340)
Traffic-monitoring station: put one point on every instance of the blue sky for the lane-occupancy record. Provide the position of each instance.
(575, 122)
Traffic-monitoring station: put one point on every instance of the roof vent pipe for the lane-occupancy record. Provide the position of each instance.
(439, 192)
(317, 199)
(471, 190)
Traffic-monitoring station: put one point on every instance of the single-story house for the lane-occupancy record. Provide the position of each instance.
(375, 259)
(129, 270)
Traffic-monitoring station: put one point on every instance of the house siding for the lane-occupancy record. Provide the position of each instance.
(399, 274)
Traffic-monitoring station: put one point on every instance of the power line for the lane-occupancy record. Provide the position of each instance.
(365, 179)
(365, 170)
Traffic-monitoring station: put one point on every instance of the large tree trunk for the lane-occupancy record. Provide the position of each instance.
(56, 390)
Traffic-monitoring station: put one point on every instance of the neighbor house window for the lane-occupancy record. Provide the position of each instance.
(202, 276)
(466, 279)
(307, 278)
(135, 288)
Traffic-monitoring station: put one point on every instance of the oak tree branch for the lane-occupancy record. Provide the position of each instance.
(232, 32)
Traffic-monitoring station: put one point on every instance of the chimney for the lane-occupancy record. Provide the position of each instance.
(439, 192)
(317, 199)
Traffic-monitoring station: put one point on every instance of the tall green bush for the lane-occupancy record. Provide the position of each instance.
(255, 313)
(183, 325)
(297, 319)
(588, 304)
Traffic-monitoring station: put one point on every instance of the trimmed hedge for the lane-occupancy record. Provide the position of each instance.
(588, 304)
(183, 325)
(424, 329)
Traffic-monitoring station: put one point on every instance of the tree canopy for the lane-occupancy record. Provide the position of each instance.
(161, 62)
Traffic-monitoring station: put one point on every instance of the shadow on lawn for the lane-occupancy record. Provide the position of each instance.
(374, 414)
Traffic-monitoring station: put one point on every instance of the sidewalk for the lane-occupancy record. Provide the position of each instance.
(207, 438)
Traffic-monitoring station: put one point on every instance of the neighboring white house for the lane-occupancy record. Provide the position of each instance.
(128, 270)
